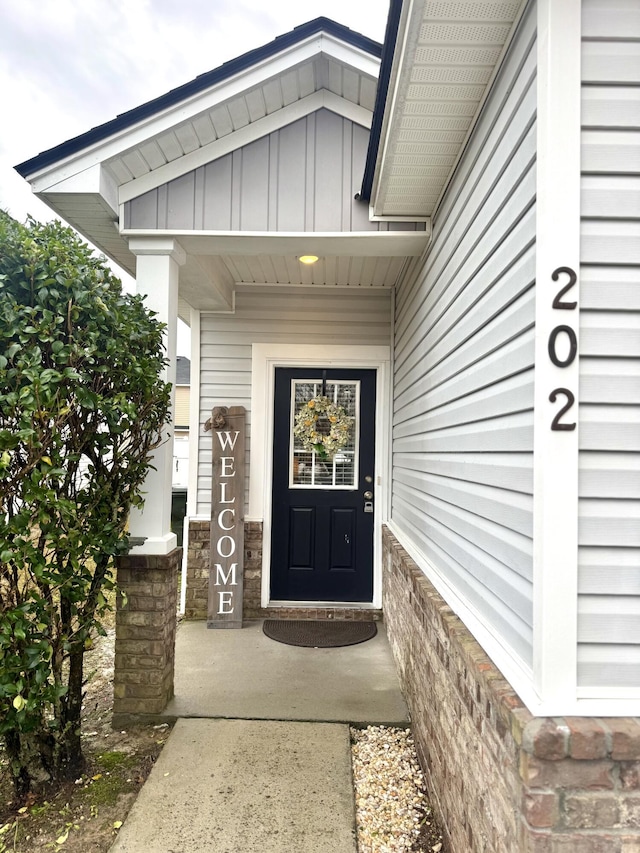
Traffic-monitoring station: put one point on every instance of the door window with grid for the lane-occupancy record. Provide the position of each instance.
(307, 468)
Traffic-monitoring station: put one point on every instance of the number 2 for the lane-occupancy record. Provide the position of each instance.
(556, 424)
(557, 302)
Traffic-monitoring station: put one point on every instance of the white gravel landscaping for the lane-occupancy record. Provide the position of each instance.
(393, 814)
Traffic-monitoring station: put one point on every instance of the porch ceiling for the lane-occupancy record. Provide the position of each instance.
(207, 282)
(217, 262)
(447, 53)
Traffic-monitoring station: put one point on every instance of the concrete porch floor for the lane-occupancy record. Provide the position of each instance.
(242, 674)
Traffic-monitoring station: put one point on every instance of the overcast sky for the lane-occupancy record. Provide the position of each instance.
(69, 65)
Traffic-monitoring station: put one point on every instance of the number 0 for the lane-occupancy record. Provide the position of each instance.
(573, 346)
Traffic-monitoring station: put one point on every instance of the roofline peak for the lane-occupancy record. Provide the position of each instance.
(198, 84)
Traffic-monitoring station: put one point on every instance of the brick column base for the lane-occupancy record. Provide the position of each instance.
(145, 635)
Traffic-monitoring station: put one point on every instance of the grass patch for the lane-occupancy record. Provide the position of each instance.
(112, 775)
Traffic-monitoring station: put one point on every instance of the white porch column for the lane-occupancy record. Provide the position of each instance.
(158, 260)
(555, 505)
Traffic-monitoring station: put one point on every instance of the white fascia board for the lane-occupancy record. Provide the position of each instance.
(347, 54)
(95, 181)
(199, 102)
(381, 244)
(408, 35)
(374, 218)
(109, 189)
(244, 136)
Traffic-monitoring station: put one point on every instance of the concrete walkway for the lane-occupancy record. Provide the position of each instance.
(240, 786)
(244, 770)
(242, 674)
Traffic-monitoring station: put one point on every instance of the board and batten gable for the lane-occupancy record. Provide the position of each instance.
(265, 314)
(609, 418)
(464, 370)
(302, 177)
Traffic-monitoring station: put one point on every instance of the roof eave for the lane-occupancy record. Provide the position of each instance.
(58, 153)
(384, 157)
(386, 64)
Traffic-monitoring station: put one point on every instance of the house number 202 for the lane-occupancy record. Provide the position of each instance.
(558, 332)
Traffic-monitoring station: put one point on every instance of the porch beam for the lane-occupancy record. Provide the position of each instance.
(378, 244)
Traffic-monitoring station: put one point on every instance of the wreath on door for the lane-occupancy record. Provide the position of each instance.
(323, 427)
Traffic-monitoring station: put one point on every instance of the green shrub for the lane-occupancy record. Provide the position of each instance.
(82, 405)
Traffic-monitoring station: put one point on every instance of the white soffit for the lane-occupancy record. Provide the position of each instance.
(446, 56)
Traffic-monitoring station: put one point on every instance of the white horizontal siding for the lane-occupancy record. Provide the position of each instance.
(464, 352)
(609, 476)
(611, 19)
(509, 471)
(608, 288)
(615, 334)
(507, 433)
(607, 242)
(594, 613)
(610, 152)
(611, 107)
(476, 575)
(608, 380)
(614, 663)
(610, 62)
(614, 569)
(611, 197)
(610, 428)
(609, 523)
(275, 315)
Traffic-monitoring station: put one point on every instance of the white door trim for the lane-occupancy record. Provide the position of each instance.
(264, 360)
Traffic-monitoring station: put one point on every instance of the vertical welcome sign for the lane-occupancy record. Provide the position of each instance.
(226, 563)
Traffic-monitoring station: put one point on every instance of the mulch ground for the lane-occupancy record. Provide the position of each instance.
(84, 815)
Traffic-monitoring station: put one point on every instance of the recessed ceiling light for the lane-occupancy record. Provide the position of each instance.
(308, 259)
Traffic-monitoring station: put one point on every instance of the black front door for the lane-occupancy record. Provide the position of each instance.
(322, 517)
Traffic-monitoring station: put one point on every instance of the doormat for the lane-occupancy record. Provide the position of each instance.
(318, 634)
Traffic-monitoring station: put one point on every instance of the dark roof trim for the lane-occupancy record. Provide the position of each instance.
(388, 51)
(202, 82)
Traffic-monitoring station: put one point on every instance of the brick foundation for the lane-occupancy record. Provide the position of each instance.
(145, 635)
(501, 779)
(198, 580)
